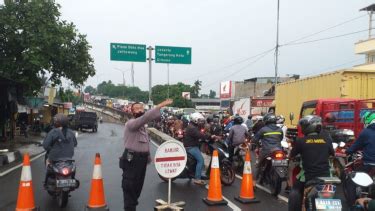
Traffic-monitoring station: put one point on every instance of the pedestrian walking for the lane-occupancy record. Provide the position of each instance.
(137, 152)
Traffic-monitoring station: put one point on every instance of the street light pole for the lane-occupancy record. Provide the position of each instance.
(277, 43)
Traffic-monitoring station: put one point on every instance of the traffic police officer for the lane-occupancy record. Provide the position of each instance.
(137, 152)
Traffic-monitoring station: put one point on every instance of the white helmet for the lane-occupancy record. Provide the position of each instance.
(196, 117)
(280, 119)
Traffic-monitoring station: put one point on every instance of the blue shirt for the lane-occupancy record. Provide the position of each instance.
(365, 142)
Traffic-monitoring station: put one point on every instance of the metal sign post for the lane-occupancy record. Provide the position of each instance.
(170, 161)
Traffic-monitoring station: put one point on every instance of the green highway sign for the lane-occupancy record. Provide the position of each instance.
(172, 55)
(128, 52)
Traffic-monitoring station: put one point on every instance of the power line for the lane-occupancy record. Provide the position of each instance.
(233, 64)
(324, 30)
(331, 67)
(326, 38)
(238, 71)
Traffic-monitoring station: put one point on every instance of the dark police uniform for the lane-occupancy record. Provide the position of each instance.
(135, 157)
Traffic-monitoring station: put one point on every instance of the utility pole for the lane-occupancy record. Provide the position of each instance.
(150, 103)
(277, 43)
(132, 72)
(168, 80)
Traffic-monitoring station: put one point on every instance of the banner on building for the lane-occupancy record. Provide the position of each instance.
(186, 95)
(242, 107)
(226, 89)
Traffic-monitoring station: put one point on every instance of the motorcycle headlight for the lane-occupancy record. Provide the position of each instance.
(341, 144)
(348, 132)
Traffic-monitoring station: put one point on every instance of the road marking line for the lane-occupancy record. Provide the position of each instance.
(230, 204)
(282, 198)
(20, 165)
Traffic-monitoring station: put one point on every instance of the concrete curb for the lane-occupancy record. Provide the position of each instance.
(10, 157)
(158, 136)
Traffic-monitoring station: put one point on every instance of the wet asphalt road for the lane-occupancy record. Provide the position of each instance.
(108, 142)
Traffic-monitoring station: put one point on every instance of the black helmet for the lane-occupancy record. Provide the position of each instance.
(238, 120)
(269, 118)
(209, 119)
(249, 117)
(310, 124)
(60, 120)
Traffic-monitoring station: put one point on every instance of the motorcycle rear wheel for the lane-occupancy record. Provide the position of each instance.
(275, 183)
(63, 199)
(228, 175)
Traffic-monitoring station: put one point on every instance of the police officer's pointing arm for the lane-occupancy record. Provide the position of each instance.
(150, 115)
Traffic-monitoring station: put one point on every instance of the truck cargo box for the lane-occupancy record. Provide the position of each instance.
(349, 83)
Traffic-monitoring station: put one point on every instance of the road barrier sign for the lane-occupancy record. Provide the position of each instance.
(128, 52)
(170, 161)
(172, 55)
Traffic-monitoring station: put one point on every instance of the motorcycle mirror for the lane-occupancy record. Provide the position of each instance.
(291, 116)
(342, 144)
(362, 179)
(335, 145)
(284, 144)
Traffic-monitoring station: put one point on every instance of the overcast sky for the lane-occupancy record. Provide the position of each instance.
(221, 33)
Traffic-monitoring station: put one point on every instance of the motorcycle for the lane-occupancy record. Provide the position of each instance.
(179, 134)
(343, 138)
(363, 180)
(275, 170)
(239, 156)
(227, 173)
(352, 189)
(319, 194)
(61, 180)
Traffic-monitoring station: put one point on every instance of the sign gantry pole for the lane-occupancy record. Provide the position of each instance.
(168, 80)
(150, 103)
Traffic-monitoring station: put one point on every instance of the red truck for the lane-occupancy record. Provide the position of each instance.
(341, 117)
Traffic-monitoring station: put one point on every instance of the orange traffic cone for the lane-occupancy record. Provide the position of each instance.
(247, 189)
(97, 199)
(25, 200)
(215, 196)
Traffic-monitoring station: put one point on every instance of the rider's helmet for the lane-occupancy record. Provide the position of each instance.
(269, 118)
(60, 120)
(280, 119)
(196, 118)
(237, 120)
(368, 118)
(216, 120)
(249, 117)
(209, 119)
(310, 124)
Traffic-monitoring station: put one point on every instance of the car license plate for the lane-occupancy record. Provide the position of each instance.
(66, 183)
(279, 163)
(180, 136)
(328, 204)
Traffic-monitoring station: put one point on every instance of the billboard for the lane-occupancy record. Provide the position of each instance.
(186, 95)
(226, 89)
(242, 107)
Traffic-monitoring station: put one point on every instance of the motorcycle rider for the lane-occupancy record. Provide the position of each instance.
(59, 142)
(237, 135)
(249, 122)
(191, 143)
(366, 143)
(315, 149)
(270, 137)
